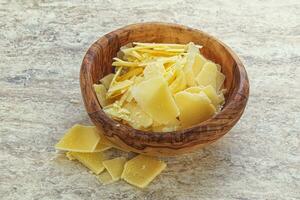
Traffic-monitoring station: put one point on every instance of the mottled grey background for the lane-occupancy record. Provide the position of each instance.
(42, 44)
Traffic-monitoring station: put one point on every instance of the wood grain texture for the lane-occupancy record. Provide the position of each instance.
(97, 63)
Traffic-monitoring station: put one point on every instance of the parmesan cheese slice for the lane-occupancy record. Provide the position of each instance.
(106, 80)
(154, 97)
(115, 167)
(141, 170)
(105, 178)
(194, 108)
(104, 144)
(100, 91)
(80, 139)
(208, 75)
(93, 161)
(118, 88)
(138, 118)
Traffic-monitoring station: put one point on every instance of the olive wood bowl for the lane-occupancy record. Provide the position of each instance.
(97, 63)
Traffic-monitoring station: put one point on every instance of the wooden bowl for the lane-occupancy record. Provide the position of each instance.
(97, 63)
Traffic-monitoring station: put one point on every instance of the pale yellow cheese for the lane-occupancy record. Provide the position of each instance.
(93, 161)
(106, 80)
(212, 95)
(154, 97)
(118, 88)
(194, 89)
(105, 178)
(138, 118)
(153, 70)
(141, 170)
(198, 64)
(100, 91)
(80, 139)
(219, 80)
(180, 83)
(115, 111)
(194, 108)
(115, 167)
(208, 75)
(69, 156)
(104, 144)
(131, 73)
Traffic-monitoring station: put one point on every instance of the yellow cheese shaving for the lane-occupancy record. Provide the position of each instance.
(153, 96)
(106, 80)
(115, 167)
(104, 144)
(194, 108)
(105, 178)
(93, 161)
(69, 156)
(101, 94)
(141, 170)
(138, 118)
(208, 75)
(80, 139)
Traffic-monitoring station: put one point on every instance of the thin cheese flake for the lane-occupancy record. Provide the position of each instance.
(93, 161)
(153, 96)
(106, 80)
(115, 167)
(80, 139)
(105, 178)
(194, 108)
(141, 170)
(101, 94)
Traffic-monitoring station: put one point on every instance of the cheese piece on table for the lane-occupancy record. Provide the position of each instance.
(100, 91)
(208, 75)
(105, 178)
(194, 108)
(69, 156)
(115, 167)
(80, 139)
(104, 144)
(141, 170)
(138, 118)
(155, 98)
(93, 161)
(106, 80)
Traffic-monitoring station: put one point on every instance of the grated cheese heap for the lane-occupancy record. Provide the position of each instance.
(161, 87)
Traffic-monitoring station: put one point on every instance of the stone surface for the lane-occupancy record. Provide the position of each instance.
(42, 44)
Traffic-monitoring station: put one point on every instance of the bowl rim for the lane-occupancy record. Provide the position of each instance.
(232, 110)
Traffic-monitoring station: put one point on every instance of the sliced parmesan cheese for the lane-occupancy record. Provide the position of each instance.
(118, 88)
(153, 70)
(69, 156)
(208, 75)
(106, 80)
(103, 144)
(105, 178)
(180, 83)
(194, 108)
(115, 111)
(115, 167)
(212, 95)
(141, 170)
(80, 139)
(153, 96)
(100, 91)
(93, 161)
(138, 118)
